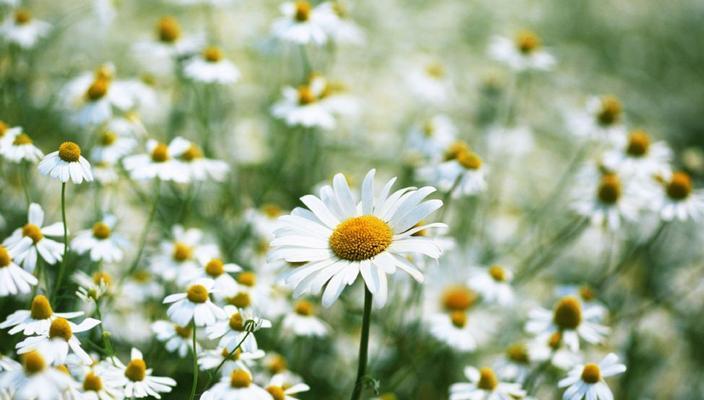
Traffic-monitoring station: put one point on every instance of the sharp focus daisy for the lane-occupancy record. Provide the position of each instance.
(100, 241)
(238, 385)
(493, 284)
(30, 241)
(20, 148)
(176, 338)
(302, 321)
(484, 384)
(339, 238)
(35, 379)
(462, 172)
(66, 163)
(587, 381)
(13, 279)
(523, 53)
(194, 305)
(211, 67)
(159, 162)
(37, 320)
(135, 379)
(55, 344)
(21, 29)
(302, 106)
(238, 327)
(676, 199)
(301, 23)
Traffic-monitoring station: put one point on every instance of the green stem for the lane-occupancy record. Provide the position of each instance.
(145, 232)
(363, 345)
(195, 363)
(229, 356)
(62, 268)
(25, 183)
(107, 344)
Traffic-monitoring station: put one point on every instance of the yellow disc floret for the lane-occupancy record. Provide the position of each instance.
(41, 308)
(60, 328)
(568, 313)
(197, 293)
(610, 111)
(247, 278)
(5, 258)
(33, 232)
(360, 238)
(160, 153)
(527, 42)
(69, 152)
(591, 373)
(212, 54)
(182, 252)
(304, 308)
(168, 30)
(638, 143)
(680, 186)
(240, 379)
(22, 139)
(33, 362)
(303, 9)
(92, 383)
(101, 230)
(136, 370)
(215, 267)
(276, 392)
(458, 298)
(609, 190)
(487, 379)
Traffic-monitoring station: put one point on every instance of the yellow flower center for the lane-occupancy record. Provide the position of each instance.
(240, 300)
(22, 139)
(92, 383)
(193, 153)
(240, 379)
(609, 190)
(469, 160)
(591, 373)
(32, 231)
(107, 138)
(277, 392)
(638, 143)
(610, 111)
(101, 230)
(487, 379)
(142, 276)
(435, 70)
(160, 153)
(680, 186)
(456, 149)
(271, 210)
(60, 328)
(3, 128)
(555, 340)
(235, 355)
(104, 72)
(236, 322)
(22, 17)
(568, 313)
(247, 279)
(212, 54)
(197, 294)
(182, 252)
(5, 258)
(305, 95)
(136, 370)
(40, 309)
(518, 353)
(304, 308)
(303, 9)
(586, 293)
(69, 152)
(527, 42)
(360, 238)
(33, 362)
(458, 298)
(102, 277)
(215, 267)
(168, 30)
(458, 319)
(183, 331)
(497, 273)
(277, 364)
(98, 89)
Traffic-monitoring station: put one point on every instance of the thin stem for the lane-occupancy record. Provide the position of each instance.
(363, 345)
(195, 363)
(107, 344)
(25, 183)
(229, 356)
(62, 268)
(145, 232)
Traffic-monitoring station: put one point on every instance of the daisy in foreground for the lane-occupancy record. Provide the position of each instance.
(483, 384)
(194, 305)
(587, 381)
(66, 163)
(35, 379)
(136, 379)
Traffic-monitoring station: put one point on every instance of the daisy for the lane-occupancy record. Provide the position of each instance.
(454, 330)
(430, 83)
(135, 379)
(177, 338)
(550, 347)
(281, 388)
(677, 200)
(92, 287)
(462, 172)
(301, 23)
(636, 155)
(100, 241)
(303, 322)
(159, 162)
(8, 134)
(37, 320)
(22, 30)
(105, 172)
(600, 120)
(432, 137)
(337, 23)
(13, 279)
(523, 53)
(570, 319)
(95, 385)
(303, 106)
(251, 292)
(112, 146)
(493, 285)
(211, 359)
(178, 259)
(588, 297)
(202, 168)
(29, 241)
(215, 269)
(194, 305)
(55, 344)
(238, 327)
(338, 238)
(515, 365)
(141, 286)
(35, 379)
(483, 384)
(66, 163)
(587, 381)
(238, 385)
(20, 148)
(211, 67)
(170, 44)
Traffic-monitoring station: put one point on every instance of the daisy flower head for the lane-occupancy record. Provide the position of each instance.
(217, 270)
(93, 287)
(238, 385)
(8, 134)
(337, 23)
(587, 381)
(135, 379)
(13, 279)
(432, 137)
(176, 338)
(35, 379)
(211, 67)
(550, 347)
(301, 23)
(484, 384)
(21, 29)
(179, 258)
(37, 320)
(430, 82)
(571, 320)
(55, 344)
(112, 146)
(159, 162)
(303, 106)
(95, 385)
(339, 238)
(462, 172)
(493, 284)
(200, 167)
(30, 241)
(66, 163)
(636, 155)
(454, 330)
(599, 121)
(522, 53)
(302, 321)
(100, 241)
(281, 388)
(211, 359)
(515, 365)
(237, 327)
(676, 199)
(194, 305)
(169, 44)
(18, 146)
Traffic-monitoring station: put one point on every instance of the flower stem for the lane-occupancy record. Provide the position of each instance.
(229, 356)
(145, 232)
(62, 268)
(195, 363)
(363, 345)
(105, 336)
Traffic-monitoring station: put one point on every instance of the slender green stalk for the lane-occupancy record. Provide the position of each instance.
(195, 363)
(25, 183)
(62, 268)
(145, 232)
(363, 345)
(229, 355)
(107, 344)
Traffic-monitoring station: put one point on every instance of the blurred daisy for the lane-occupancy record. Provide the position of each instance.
(515, 365)
(493, 285)
(600, 121)
(105, 172)
(251, 291)
(92, 287)
(95, 385)
(483, 384)
(178, 258)
(211, 67)
(159, 162)
(170, 44)
(55, 344)
(605, 199)
(8, 134)
(550, 346)
(215, 269)
(100, 241)
(211, 359)
(20, 148)
(19, 28)
(677, 200)
(301, 23)
(13, 279)
(340, 238)
(453, 329)
(112, 146)
(238, 385)
(29, 242)
(336, 22)
(303, 322)
(302, 106)
(66, 163)
(432, 137)
(570, 319)
(281, 388)
(238, 326)
(176, 338)
(462, 172)
(37, 320)
(141, 286)
(588, 297)
(136, 379)
(264, 220)
(35, 379)
(523, 53)
(430, 83)
(636, 155)
(194, 305)
(587, 381)
(201, 168)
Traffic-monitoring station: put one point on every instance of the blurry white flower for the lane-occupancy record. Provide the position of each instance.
(339, 238)
(493, 284)
(13, 279)
(550, 346)
(18, 147)
(37, 320)
(19, 28)
(238, 326)
(92, 287)
(454, 330)
(301, 321)
(215, 269)
(303, 106)
(201, 168)
(606, 199)
(96, 385)
(158, 55)
(34, 379)
(336, 22)
(105, 172)
(515, 365)
(511, 141)
(600, 121)
(432, 137)
(635, 155)
(8, 134)
(29, 242)
(238, 385)
(251, 291)
(462, 172)
(675, 199)
(66, 163)
(159, 162)
(176, 338)
(587, 381)
(194, 305)
(483, 384)
(210, 359)
(136, 379)
(281, 388)
(141, 286)
(264, 220)
(523, 53)
(429, 83)
(100, 241)
(104, 10)
(587, 296)
(301, 23)
(112, 146)
(55, 344)
(179, 258)
(211, 67)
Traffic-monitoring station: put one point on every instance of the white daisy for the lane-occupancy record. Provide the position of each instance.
(112, 146)
(432, 137)
(675, 199)
(35, 380)
(430, 83)
(211, 67)
(136, 379)
(493, 284)
(37, 320)
(20, 148)
(8, 134)
(301, 23)
(636, 155)
(515, 365)
(251, 291)
(176, 338)
(238, 326)
(483, 384)
(453, 329)
(301, 321)
(462, 172)
(92, 287)
(550, 346)
(29, 241)
(587, 381)
(337, 23)
(66, 163)
(588, 297)
(264, 220)
(238, 385)
(338, 238)
(194, 305)
(202, 168)
(303, 106)
(22, 30)
(55, 344)
(179, 258)
(523, 53)
(599, 121)
(516, 141)
(281, 388)
(13, 279)
(159, 55)
(215, 269)
(100, 241)
(211, 359)
(96, 385)
(159, 162)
